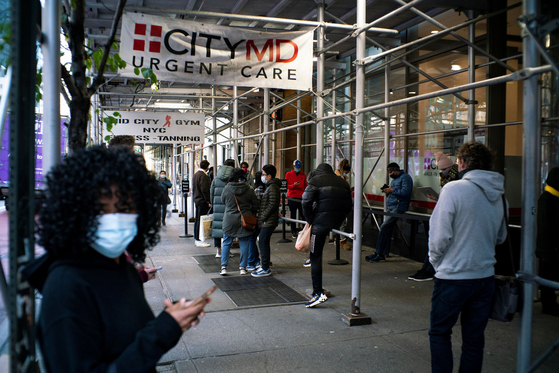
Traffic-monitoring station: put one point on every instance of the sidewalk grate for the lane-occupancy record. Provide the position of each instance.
(247, 291)
(211, 264)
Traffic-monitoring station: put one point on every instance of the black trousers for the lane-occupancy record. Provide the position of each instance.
(200, 210)
(317, 247)
(548, 270)
(163, 212)
(295, 206)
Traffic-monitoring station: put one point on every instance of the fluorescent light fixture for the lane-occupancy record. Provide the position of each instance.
(434, 32)
(455, 67)
(172, 105)
(412, 93)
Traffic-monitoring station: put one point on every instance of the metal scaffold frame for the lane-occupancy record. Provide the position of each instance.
(384, 61)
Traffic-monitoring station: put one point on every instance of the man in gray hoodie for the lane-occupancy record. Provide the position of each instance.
(466, 224)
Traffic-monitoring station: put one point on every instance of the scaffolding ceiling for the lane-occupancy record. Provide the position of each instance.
(100, 13)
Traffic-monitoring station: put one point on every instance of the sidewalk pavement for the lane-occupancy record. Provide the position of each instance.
(292, 338)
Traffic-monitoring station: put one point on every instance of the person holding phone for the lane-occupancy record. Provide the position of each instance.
(296, 185)
(94, 315)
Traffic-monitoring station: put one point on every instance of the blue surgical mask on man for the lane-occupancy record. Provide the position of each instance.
(114, 234)
(297, 169)
(263, 178)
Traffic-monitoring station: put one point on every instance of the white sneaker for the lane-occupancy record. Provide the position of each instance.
(218, 254)
(243, 271)
(223, 271)
(201, 244)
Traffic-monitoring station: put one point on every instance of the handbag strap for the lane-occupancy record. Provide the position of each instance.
(508, 236)
(237, 202)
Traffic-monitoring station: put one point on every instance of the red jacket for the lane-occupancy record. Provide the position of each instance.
(292, 190)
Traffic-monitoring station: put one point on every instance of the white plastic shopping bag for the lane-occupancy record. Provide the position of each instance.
(206, 227)
(303, 243)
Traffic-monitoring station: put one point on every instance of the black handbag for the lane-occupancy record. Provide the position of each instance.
(507, 289)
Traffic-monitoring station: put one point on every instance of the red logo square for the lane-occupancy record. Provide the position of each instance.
(139, 45)
(156, 31)
(140, 29)
(155, 46)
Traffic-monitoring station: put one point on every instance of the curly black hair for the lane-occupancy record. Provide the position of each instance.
(69, 215)
(476, 156)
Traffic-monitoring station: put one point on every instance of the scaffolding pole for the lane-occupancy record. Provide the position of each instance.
(530, 190)
(471, 79)
(320, 33)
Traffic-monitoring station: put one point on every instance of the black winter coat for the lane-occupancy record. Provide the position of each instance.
(269, 205)
(201, 188)
(218, 207)
(95, 318)
(547, 244)
(326, 200)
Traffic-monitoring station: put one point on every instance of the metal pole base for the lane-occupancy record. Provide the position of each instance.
(338, 262)
(284, 240)
(355, 319)
(191, 220)
(185, 236)
(174, 211)
(181, 215)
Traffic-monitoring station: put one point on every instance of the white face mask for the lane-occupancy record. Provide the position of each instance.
(114, 234)
(163, 176)
(263, 178)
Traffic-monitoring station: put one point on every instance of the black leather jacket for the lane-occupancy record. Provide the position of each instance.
(326, 200)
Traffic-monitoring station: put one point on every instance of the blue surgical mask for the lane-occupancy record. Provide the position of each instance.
(162, 176)
(346, 174)
(297, 169)
(263, 178)
(114, 234)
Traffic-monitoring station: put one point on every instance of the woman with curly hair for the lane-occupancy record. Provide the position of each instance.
(94, 316)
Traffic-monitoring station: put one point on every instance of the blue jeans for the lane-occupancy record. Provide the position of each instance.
(471, 300)
(226, 248)
(383, 241)
(253, 257)
(264, 241)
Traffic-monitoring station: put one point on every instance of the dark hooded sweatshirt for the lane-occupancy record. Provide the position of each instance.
(95, 318)
(547, 244)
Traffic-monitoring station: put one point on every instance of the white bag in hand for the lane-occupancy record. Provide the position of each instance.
(303, 243)
(206, 227)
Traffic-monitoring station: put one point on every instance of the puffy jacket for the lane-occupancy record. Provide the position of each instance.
(326, 200)
(247, 203)
(402, 187)
(218, 207)
(547, 245)
(269, 205)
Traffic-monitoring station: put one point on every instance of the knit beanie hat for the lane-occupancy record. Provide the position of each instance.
(393, 167)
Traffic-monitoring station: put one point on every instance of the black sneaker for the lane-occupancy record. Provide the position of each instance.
(378, 258)
(368, 258)
(421, 276)
(316, 300)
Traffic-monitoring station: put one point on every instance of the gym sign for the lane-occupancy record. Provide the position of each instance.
(183, 51)
(162, 128)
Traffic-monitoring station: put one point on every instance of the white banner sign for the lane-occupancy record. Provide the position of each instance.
(161, 127)
(192, 52)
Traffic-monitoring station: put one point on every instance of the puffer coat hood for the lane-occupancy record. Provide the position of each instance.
(218, 207)
(326, 200)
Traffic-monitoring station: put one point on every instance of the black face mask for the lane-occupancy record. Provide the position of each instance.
(393, 176)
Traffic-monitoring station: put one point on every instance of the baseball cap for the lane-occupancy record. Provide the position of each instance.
(297, 163)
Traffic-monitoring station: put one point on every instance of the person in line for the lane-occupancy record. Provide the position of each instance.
(220, 181)
(236, 195)
(201, 195)
(94, 315)
(398, 196)
(165, 186)
(466, 224)
(547, 244)
(244, 167)
(253, 254)
(343, 171)
(211, 174)
(448, 172)
(296, 184)
(127, 141)
(326, 202)
(268, 217)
